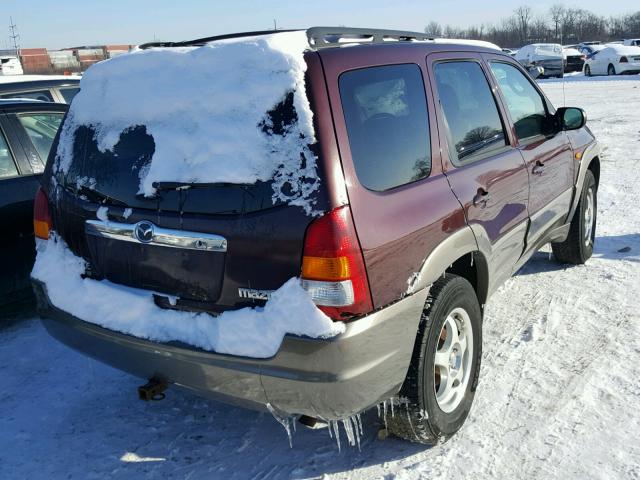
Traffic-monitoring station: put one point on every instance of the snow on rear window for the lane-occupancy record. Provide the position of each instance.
(214, 112)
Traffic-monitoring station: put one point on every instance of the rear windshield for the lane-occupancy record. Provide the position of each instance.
(549, 49)
(113, 177)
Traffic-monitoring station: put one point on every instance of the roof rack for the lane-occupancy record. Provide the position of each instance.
(324, 37)
(319, 37)
(201, 41)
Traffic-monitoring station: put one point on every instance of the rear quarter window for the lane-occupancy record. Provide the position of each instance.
(41, 95)
(385, 112)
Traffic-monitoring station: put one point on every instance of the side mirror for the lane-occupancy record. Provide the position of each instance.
(536, 71)
(571, 118)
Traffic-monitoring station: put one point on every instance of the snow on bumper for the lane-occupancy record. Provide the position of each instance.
(330, 378)
(251, 332)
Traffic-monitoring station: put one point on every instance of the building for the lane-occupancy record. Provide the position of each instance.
(35, 60)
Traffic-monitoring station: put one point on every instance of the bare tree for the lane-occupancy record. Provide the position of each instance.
(523, 17)
(556, 12)
(560, 25)
(433, 29)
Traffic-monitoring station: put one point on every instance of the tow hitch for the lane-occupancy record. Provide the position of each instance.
(153, 390)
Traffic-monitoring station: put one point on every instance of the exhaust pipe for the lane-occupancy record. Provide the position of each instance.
(152, 390)
(311, 422)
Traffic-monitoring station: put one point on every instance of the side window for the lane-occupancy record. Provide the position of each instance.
(525, 104)
(7, 165)
(475, 128)
(69, 93)
(385, 111)
(42, 95)
(42, 129)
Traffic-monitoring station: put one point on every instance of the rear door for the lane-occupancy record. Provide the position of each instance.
(546, 151)
(18, 185)
(387, 137)
(484, 168)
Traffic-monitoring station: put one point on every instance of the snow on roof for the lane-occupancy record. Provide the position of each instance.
(462, 41)
(206, 109)
(35, 78)
(624, 49)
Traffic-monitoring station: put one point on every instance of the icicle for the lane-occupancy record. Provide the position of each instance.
(393, 414)
(384, 410)
(472, 259)
(336, 430)
(284, 421)
(346, 423)
(358, 432)
(378, 407)
(359, 418)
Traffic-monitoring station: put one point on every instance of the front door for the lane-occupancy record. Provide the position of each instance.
(485, 170)
(545, 150)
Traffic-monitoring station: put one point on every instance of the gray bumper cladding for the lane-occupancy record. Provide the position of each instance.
(326, 378)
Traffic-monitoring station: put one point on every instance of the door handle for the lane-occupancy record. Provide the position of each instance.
(481, 198)
(538, 168)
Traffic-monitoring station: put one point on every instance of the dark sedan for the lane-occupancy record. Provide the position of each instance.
(27, 130)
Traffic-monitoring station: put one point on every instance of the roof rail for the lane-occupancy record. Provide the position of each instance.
(201, 41)
(319, 37)
(323, 37)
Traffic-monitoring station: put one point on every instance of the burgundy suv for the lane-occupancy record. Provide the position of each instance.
(443, 168)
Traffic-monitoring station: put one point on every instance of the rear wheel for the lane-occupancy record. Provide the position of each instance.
(578, 247)
(611, 70)
(587, 70)
(442, 378)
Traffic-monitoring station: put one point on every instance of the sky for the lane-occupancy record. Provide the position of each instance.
(44, 23)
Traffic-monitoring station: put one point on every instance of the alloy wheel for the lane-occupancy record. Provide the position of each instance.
(453, 358)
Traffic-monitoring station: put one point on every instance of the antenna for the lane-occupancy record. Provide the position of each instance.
(275, 24)
(14, 35)
(564, 98)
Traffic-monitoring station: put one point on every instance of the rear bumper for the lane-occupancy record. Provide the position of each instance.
(326, 378)
(628, 69)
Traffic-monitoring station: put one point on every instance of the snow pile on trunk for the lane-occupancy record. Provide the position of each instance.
(206, 109)
(250, 332)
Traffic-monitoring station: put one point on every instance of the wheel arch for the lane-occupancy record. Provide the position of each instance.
(458, 254)
(591, 162)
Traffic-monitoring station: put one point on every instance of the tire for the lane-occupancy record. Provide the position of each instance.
(421, 417)
(578, 247)
(611, 70)
(587, 71)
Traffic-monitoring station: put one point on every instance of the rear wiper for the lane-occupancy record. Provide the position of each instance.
(98, 197)
(163, 186)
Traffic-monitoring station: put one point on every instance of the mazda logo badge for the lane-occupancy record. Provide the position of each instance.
(143, 231)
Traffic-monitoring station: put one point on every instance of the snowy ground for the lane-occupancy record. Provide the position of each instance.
(559, 395)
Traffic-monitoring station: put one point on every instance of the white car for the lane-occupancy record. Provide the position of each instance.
(546, 55)
(632, 42)
(613, 60)
(10, 65)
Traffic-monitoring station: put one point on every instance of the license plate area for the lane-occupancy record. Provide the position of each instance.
(191, 272)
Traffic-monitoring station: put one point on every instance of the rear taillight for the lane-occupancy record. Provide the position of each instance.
(42, 224)
(624, 60)
(333, 270)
